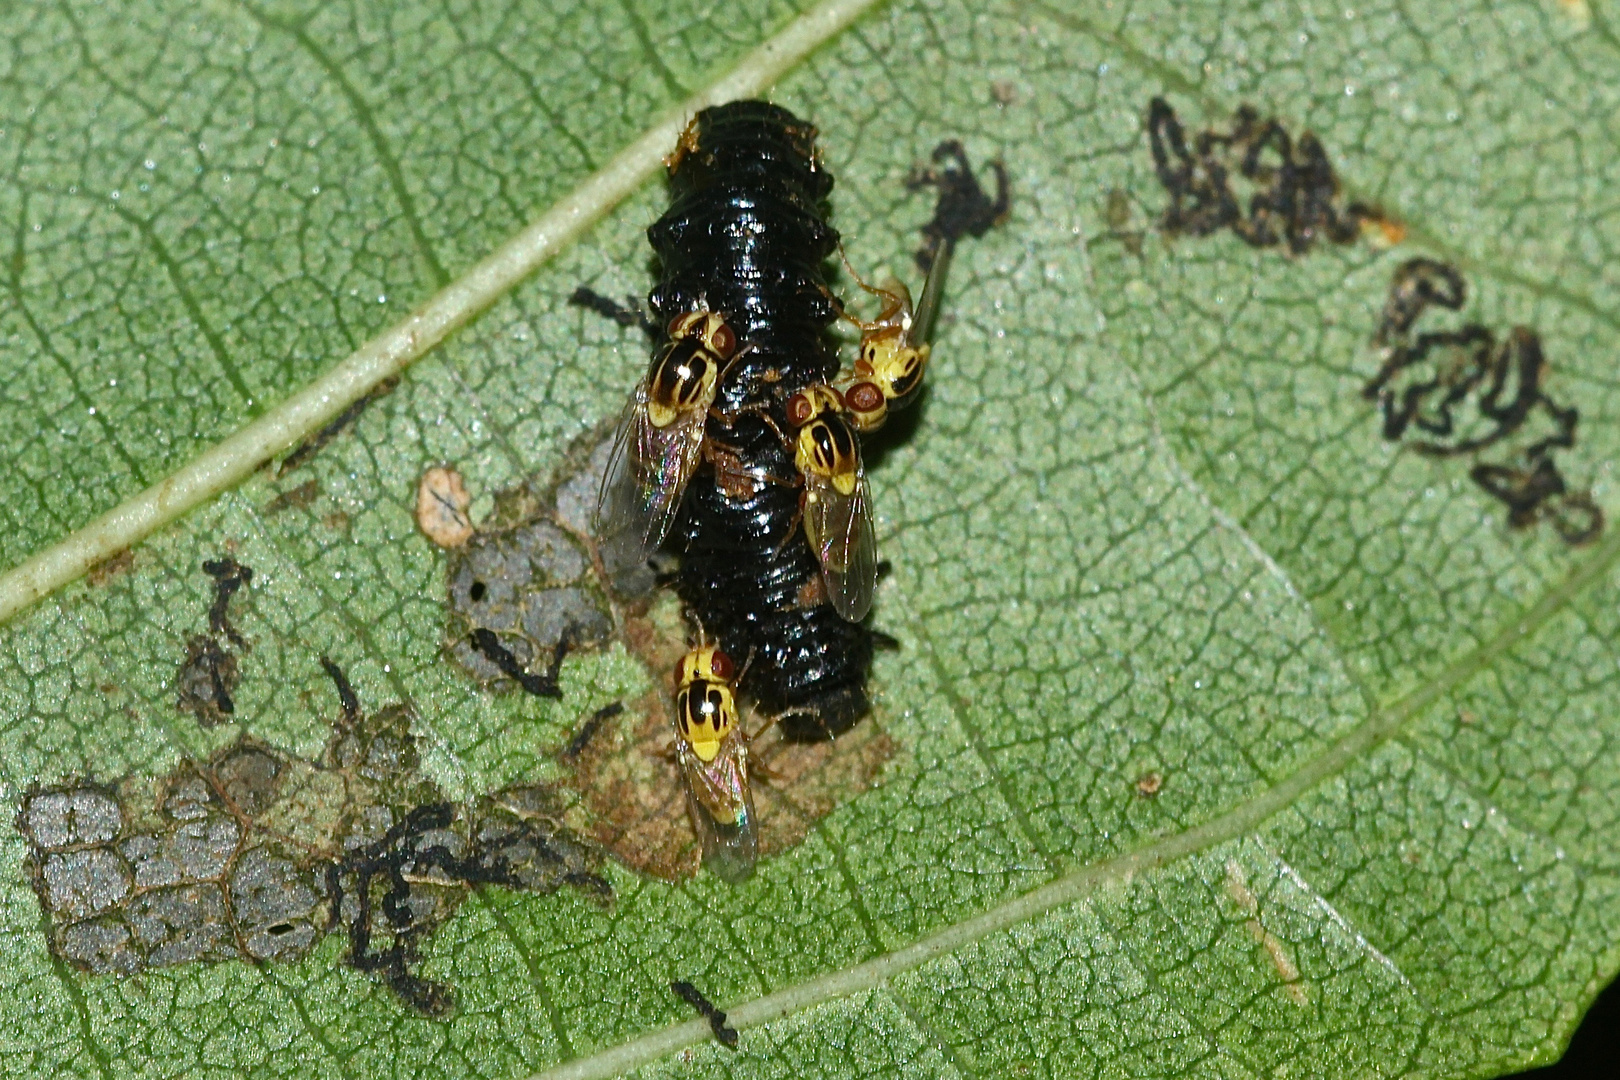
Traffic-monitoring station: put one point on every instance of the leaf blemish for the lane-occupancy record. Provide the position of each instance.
(535, 563)
(209, 674)
(298, 498)
(522, 584)
(256, 854)
(1237, 887)
(441, 507)
(1426, 381)
(111, 567)
(1291, 190)
(964, 208)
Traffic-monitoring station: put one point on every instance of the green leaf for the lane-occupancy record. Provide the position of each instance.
(1145, 523)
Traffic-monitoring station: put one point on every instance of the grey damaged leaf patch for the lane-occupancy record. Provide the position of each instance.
(256, 855)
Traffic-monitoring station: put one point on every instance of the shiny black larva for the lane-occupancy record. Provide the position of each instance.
(746, 235)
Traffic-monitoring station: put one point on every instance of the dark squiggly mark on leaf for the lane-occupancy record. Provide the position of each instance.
(229, 576)
(313, 445)
(1503, 380)
(588, 730)
(964, 208)
(208, 675)
(1295, 194)
(256, 854)
(543, 685)
(726, 1035)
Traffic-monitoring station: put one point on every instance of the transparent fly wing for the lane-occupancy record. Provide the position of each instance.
(721, 805)
(646, 475)
(840, 529)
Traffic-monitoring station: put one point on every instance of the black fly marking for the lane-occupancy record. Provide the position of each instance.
(229, 576)
(1295, 190)
(630, 314)
(964, 209)
(315, 443)
(1445, 371)
(545, 685)
(588, 730)
(727, 1036)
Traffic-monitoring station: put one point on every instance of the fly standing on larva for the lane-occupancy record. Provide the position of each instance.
(835, 503)
(890, 363)
(660, 437)
(713, 752)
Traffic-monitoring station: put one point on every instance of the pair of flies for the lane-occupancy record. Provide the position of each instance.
(660, 444)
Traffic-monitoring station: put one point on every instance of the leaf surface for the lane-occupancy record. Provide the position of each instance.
(1144, 523)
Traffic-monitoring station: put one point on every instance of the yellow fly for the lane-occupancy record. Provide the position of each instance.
(836, 503)
(660, 439)
(889, 367)
(713, 751)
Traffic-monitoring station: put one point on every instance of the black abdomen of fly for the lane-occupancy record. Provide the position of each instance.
(746, 236)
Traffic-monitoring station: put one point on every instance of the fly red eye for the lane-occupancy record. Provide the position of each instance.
(798, 410)
(864, 397)
(724, 342)
(722, 666)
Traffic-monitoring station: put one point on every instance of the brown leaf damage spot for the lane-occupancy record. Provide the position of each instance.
(441, 507)
(633, 792)
(111, 567)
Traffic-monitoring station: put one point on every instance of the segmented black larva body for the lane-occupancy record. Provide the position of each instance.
(746, 236)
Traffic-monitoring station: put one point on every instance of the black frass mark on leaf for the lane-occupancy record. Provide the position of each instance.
(347, 698)
(543, 685)
(208, 675)
(1293, 192)
(313, 445)
(1528, 492)
(229, 576)
(1418, 283)
(964, 208)
(630, 313)
(255, 855)
(588, 730)
(727, 1036)
(1466, 391)
(378, 889)
(206, 681)
(527, 577)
